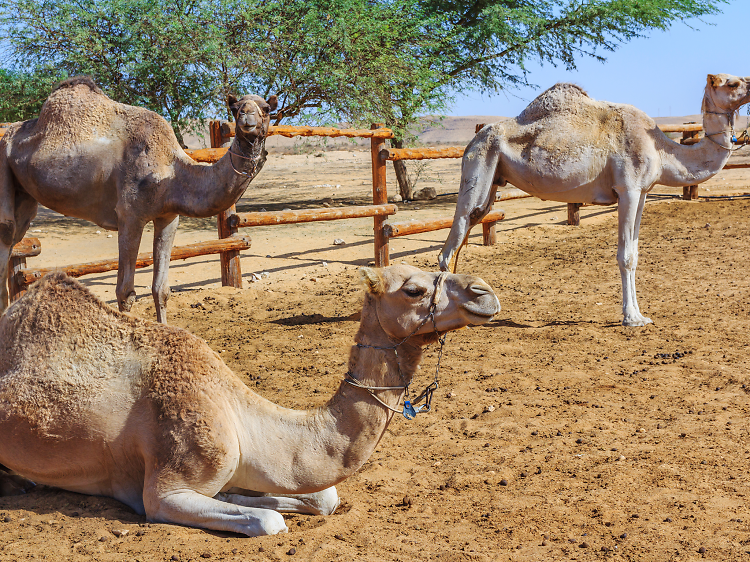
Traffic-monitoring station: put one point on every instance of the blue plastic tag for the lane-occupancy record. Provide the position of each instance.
(734, 139)
(409, 412)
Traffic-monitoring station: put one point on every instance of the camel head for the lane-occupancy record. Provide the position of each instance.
(725, 92)
(476, 192)
(403, 297)
(252, 114)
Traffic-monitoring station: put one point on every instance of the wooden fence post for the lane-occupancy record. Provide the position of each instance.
(231, 272)
(489, 229)
(26, 248)
(379, 197)
(689, 192)
(574, 215)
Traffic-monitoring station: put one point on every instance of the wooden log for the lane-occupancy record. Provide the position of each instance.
(228, 130)
(214, 134)
(574, 215)
(379, 197)
(231, 272)
(26, 248)
(210, 155)
(681, 128)
(396, 229)
(15, 290)
(28, 276)
(269, 218)
(512, 194)
(690, 192)
(422, 153)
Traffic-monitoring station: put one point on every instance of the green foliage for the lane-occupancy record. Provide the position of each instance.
(359, 60)
(23, 93)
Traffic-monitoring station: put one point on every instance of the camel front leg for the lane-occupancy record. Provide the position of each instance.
(164, 232)
(17, 210)
(630, 209)
(128, 242)
(193, 509)
(324, 502)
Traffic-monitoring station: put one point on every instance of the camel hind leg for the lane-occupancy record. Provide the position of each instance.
(324, 502)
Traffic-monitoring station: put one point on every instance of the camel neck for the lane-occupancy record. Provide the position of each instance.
(208, 190)
(689, 165)
(312, 450)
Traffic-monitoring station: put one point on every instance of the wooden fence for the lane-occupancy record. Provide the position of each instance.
(230, 243)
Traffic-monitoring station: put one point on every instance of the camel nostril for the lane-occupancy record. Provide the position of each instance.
(480, 289)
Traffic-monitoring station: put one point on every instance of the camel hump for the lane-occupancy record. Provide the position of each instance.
(51, 298)
(76, 80)
(560, 98)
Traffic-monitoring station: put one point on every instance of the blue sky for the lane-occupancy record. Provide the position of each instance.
(662, 74)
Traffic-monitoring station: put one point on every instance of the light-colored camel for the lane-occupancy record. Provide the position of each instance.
(568, 147)
(120, 167)
(99, 402)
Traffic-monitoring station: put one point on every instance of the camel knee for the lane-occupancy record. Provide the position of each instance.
(627, 260)
(7, 232)
(161, 294)
(324, 502)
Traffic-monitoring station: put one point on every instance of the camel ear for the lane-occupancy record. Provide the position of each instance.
(273, 102)
(232, 103)
(372, 280)
(714, 81)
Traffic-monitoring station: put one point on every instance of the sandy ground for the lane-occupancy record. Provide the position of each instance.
(557, 434)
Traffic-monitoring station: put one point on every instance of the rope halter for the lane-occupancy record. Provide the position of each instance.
(410, 408)
(255, 154)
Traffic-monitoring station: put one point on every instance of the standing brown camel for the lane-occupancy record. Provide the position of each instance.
(120, 167)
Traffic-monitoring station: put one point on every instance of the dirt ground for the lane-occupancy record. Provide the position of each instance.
(557, 434)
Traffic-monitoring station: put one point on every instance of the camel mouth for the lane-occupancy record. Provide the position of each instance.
(479, 314)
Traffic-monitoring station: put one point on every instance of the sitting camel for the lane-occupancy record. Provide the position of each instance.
(120, 167)
(568, 147)
(150, 415)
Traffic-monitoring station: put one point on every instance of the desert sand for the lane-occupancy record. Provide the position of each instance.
(557, 434)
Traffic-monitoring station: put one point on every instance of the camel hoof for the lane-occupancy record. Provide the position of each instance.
(127, 303)
(637, 322)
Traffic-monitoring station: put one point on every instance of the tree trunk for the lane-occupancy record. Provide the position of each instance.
(405, 183)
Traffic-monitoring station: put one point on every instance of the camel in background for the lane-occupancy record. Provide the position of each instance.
(568, 147)
(120, 167)
(150, 415)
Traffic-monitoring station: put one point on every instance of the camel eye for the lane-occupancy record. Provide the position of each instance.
(733, 84)
(414, 291)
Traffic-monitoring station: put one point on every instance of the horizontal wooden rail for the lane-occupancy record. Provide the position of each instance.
(26, 277)
(269, 218)
(681, 128)
(26, 248)
(512, 194)
(421, 153)
(210, 155)
(735, 166)
(228, 130)
(396, 229)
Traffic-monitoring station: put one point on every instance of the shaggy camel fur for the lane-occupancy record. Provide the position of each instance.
(99, 402)
(568, 147)
(120, 167)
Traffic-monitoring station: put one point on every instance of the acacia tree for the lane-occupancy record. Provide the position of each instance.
(23, 93)
(358, 60)
(484, 45)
